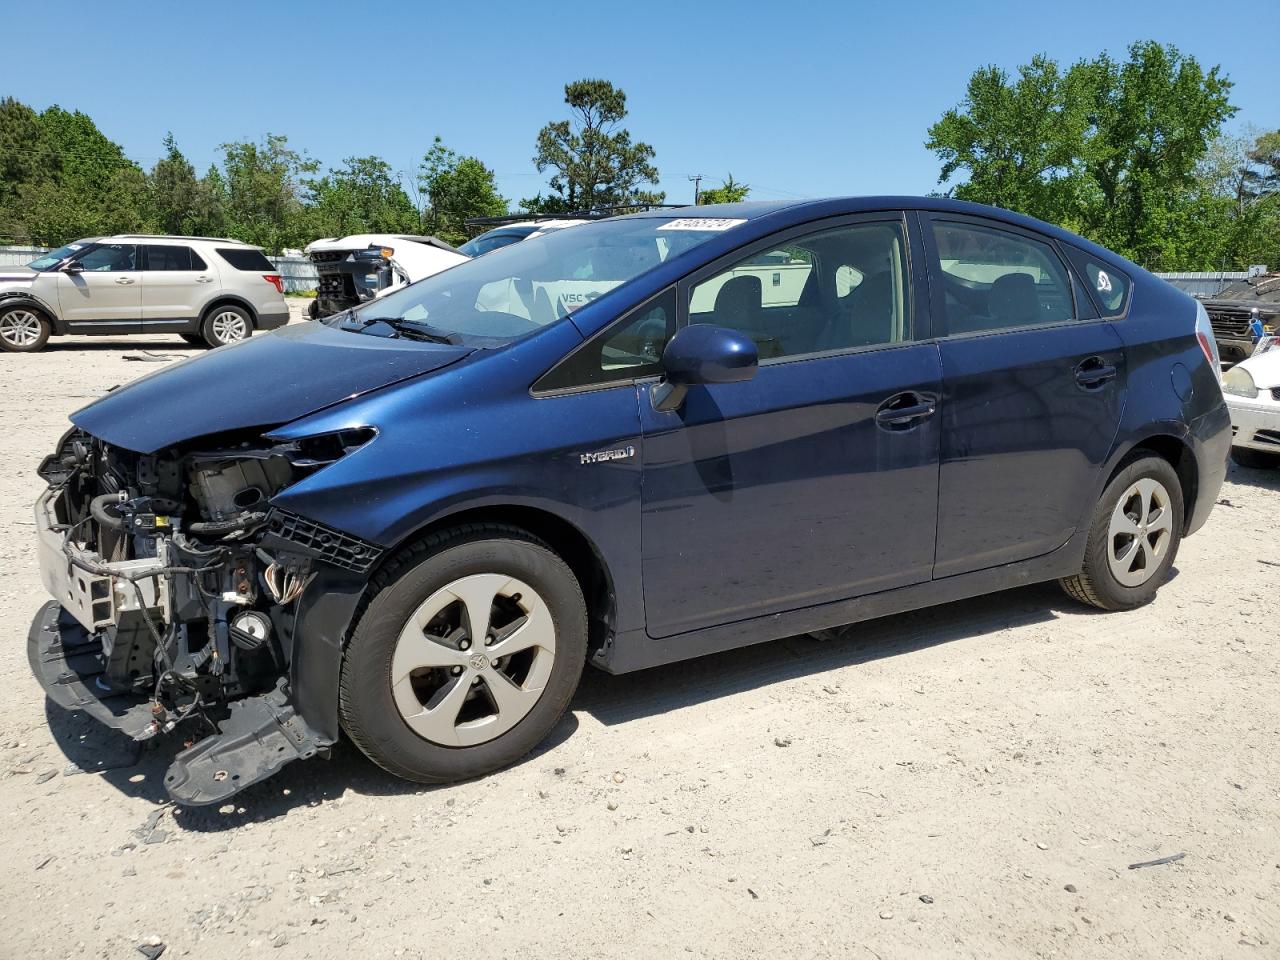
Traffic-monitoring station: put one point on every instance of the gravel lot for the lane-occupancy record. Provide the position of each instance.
(968, 781)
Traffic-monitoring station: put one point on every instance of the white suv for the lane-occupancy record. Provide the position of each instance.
(208, 290)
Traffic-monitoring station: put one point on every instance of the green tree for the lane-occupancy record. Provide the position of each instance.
(175, 193)
(596, 165)
(264, 193)
(361, 197)
(26, 160)
(1108, 149)
(61, 178)
(728, 192)
(1018, 141)
(456, 188)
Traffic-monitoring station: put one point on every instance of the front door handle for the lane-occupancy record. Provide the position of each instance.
(1093, 372)
(904, 410)
(124, 280)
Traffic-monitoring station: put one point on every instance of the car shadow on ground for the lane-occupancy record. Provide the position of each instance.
(138, 770)
(142, 346)
(1250, 477)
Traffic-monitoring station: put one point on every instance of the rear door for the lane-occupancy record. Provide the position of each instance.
(176, 282)
(106, 295)
(816, 480)
(1033, 390)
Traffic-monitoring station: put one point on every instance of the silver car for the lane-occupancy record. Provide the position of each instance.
(208, 290)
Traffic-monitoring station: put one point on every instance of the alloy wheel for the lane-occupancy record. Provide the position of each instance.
(229, 326)
(20, 328)
(473, 660)
(1140, 532)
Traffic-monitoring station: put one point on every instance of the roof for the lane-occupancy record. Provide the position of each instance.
(786, 212)
(169, 236)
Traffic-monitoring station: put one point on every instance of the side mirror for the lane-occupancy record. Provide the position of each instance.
(73, 267)
(703, 353)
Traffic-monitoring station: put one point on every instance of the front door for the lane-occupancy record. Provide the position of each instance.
(1033, 389)
(106, 295)
(175, 283)
(816, 480)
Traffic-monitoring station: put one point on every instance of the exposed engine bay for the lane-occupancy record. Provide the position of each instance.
(183, 583)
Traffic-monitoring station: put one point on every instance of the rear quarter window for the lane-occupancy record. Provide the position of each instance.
(246, 258)
(1107, 285)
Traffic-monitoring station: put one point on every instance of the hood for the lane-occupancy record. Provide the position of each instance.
(267, 380)
(17, 274)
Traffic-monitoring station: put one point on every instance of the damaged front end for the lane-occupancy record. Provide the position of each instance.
(179, 596)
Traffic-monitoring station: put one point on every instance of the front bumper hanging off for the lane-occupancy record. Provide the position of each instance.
(255, 736)
(260, 735)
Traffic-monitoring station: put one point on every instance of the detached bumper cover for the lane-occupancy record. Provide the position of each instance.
(69, 665)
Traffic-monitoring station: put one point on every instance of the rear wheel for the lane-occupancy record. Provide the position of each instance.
(1257, 459)
(466, 656)
(225, 325)
(1134, 537)
(23, 329)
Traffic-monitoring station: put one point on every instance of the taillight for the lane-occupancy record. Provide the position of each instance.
(275, 280)
(1204, 334)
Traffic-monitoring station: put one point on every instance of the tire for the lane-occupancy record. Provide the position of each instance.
(1141, 505)
(1255, 459)
(23, 329)
(194, 339)
(226, 324)
(389, 678)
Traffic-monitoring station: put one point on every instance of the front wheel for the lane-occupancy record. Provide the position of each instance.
(23, 330)
(1133, 539)
(466, 656)
(1255, 459)
(226, 325)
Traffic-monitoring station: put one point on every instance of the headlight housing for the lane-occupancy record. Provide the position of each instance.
(1239, 383)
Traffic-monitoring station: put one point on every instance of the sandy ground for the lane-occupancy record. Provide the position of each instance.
(969, 781)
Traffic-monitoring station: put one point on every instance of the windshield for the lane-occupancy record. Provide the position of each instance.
(55, 257)
(525, 286)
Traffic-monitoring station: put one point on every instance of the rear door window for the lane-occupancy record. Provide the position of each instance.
(995, 279)
(168, 257)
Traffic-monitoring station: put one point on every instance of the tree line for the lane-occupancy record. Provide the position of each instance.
(62, 178)
(1130, 154)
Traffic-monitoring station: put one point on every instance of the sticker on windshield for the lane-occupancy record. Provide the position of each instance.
(1104, 282)
(701, 223)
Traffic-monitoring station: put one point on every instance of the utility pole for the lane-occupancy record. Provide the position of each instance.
(697, 183)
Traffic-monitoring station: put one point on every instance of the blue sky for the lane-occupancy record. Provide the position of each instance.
(796, 99)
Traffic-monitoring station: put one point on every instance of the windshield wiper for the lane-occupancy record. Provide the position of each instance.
(417, 330)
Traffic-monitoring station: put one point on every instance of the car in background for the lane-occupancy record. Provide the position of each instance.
(207, 289)
(1233, 308)
(645, 439)
(1252, 390)
(359, 268)
(510, 233)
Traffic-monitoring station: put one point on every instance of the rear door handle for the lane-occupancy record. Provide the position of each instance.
(1094, 372)
(124, 280)
(905, 410)
(204, 279)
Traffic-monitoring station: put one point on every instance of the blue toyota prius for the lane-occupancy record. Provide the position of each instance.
(626, 443)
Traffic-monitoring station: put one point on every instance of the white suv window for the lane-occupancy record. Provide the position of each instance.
(110, 258)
